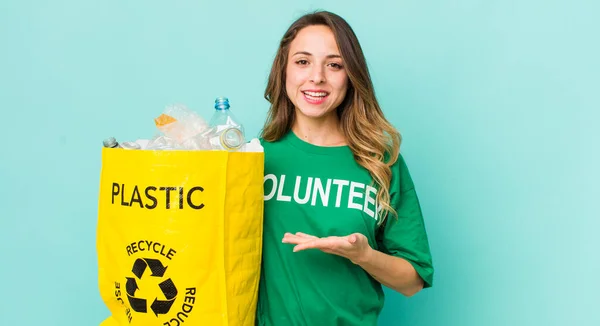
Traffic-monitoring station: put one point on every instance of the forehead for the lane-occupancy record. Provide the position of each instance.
(316, 39)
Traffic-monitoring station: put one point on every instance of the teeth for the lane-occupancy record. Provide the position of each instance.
(316, 94)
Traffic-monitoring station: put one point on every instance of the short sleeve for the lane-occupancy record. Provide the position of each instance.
(405, 235)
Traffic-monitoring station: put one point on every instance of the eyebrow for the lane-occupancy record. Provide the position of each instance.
(310, 54)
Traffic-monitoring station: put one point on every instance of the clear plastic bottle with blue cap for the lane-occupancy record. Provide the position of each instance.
(226, 133)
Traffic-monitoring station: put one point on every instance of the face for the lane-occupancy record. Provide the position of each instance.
(316, 80)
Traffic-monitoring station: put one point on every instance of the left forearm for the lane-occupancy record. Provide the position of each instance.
(393, 272)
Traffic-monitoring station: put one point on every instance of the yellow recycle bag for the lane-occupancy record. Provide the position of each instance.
(179, 237)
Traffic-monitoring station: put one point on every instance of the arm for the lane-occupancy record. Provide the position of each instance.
(393, 272)
(402, 260)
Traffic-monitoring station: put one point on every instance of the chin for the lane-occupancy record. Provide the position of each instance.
(315, 113)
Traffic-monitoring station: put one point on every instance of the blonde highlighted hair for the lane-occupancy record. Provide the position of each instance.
(373, 140)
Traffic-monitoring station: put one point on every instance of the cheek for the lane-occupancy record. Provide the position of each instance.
(295, 77)
(341, 84)
(290, 88)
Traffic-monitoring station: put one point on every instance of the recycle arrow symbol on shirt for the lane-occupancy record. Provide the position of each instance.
(167, 287)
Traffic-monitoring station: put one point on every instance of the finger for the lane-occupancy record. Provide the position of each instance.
(304, 235)
(356, 238)
(305, 246)
(329, 243)
(310, 244)
(292, 238)
(289, 235)
(352, 238)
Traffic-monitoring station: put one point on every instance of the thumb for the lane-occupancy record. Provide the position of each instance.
(352, 238)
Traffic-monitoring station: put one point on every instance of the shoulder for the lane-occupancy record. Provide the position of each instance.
(276, 150)
(398, 163)
(270, 144)
(401, 177)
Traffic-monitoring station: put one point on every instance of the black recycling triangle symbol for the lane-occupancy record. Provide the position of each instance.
(159, 307)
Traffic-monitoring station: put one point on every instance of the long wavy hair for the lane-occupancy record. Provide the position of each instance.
(374, 142)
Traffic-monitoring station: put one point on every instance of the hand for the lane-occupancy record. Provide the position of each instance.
(354, 247)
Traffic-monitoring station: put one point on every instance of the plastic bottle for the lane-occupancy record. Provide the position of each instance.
(110, 142)
(225, 130)
(130, 145)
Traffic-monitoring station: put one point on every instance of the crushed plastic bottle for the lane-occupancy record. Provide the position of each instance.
(225, 132)
(130, 145)
(182, 128)
(111, 142)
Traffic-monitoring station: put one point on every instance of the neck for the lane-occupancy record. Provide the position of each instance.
(320, 132)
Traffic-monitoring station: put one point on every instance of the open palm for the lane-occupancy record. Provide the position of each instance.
(354, 246)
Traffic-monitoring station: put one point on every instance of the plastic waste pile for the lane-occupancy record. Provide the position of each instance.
(180, 128)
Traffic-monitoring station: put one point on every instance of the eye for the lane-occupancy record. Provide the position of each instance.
(302, 62)
(336, 65)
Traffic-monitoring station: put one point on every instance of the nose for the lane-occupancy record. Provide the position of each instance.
(317, 74)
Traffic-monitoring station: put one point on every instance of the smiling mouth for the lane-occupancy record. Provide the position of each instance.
(315, 97)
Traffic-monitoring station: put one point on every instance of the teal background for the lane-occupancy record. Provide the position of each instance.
(497, 102)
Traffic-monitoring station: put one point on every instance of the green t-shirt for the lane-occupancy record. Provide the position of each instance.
(322, 191)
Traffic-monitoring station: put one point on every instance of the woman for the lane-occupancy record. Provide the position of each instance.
(341, 213)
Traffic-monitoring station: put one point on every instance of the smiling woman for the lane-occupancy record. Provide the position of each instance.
(316, 82)
(349, 207)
